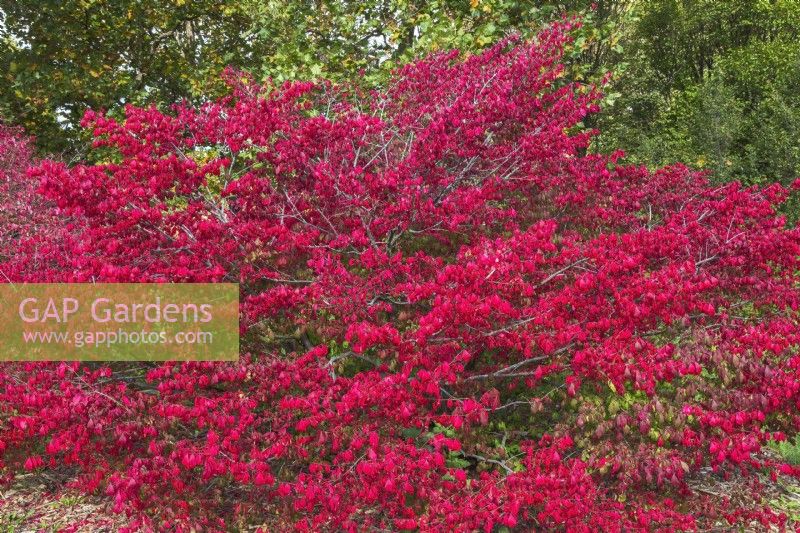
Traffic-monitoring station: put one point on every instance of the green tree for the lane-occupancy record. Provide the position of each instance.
(58, 57)
(711, 83)
(341, 38)
(336, 38)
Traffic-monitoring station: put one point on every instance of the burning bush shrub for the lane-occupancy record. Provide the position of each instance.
(453, 317)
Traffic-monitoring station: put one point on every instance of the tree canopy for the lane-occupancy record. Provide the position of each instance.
(708, 82)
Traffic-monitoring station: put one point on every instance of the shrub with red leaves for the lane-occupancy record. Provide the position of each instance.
(23, 212)
(453, 318)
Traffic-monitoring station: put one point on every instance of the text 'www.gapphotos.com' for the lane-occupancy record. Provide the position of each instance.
(96, 339)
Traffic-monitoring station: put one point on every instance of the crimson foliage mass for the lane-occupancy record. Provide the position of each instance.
(453, 317)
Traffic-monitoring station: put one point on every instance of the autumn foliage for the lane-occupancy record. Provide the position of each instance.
(23, 213)
(454, 318)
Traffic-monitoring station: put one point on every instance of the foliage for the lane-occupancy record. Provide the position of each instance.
(454, 317)
(336, 39)
(790, 451)
(711, 83)
(59, 58)
(24, 213)
(707, 82)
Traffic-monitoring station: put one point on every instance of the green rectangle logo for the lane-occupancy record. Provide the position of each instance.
(119, 322)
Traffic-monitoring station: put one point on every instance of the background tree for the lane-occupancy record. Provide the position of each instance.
(336, 39)
(59, 58)
(711, 83)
